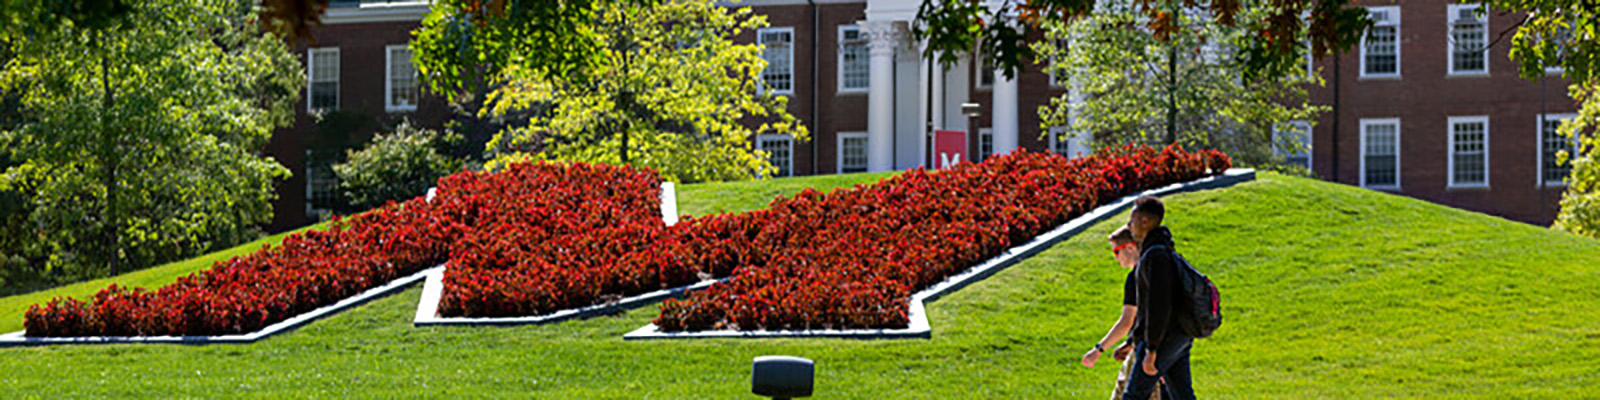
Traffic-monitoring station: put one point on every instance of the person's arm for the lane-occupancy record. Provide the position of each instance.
(1118, 330)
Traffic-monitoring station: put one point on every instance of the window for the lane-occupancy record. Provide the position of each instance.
(780, 150)
(855, 64)
(322, 186)
(1292, 141)
(1380, 47)
(985, 145)
(1068, 143)
(1380, 153)
(322, 78)
(778, 77)
(400, 91)
(1563, 39)
(1469, 151)
(852, 152)
(1468, 40)
(1551, 142)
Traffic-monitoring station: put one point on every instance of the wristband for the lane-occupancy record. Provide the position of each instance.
(1098, 348)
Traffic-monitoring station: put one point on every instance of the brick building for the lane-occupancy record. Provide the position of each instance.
(359, 76)
(1424, 109)
(1418, 108)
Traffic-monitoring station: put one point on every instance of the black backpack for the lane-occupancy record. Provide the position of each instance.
(1205, 314)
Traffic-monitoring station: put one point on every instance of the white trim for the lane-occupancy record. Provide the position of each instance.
(388, 80)
(1538, 148)
(790, 47)
(20, 338)
(311, 66)
(377, 12)
(839, 150)
(866, 58)
(1393, 12)
(1450, 152)
(788, 169)
(1450, 37)
(1397, 134)
(981, 155)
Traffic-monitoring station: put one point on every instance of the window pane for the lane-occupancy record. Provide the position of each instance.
(1469, 38)
(1381, 56)
(779, 152)
(1382, 167)
(778, 76)
(324, 79)
(402, 79)
(853, 154)
(1552, 143)
(854, 61)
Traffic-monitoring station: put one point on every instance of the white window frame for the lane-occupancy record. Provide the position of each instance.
(1538, 148)
(1365, 122)
(981, 155)
(842, 43)
(388, 80)
(839, 168)
(1310, 139)
(1450, 152)
(1394, 13)
(788, 169)
(760, 34)
(1450, 34)
(311, 78)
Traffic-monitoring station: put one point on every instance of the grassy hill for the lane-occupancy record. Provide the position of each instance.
(1329, 292)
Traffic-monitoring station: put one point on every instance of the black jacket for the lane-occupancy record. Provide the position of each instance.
(1159, 287)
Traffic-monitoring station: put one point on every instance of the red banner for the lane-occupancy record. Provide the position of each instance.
(949, 148)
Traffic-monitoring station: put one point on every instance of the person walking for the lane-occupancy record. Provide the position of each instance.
(1126, 252)
(1163, 346)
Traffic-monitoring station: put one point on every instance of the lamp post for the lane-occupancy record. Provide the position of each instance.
(973, 111)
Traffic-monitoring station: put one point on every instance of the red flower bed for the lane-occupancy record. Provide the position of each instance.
(538, 238)
(247, 293)
(580, 236)
(318, 268)
(852, 258)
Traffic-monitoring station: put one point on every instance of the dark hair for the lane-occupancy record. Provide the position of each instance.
(1121, 236)
(1150, 206)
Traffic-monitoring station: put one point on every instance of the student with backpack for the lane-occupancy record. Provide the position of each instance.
(1176, 305)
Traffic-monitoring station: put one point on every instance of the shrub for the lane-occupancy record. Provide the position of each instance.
(396, 166)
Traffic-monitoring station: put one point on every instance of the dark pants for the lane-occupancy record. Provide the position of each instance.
(1172, 362)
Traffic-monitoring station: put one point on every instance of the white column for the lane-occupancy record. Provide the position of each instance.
(1004, 124)
(880, 94)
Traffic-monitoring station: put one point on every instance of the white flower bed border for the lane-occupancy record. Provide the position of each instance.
(919, 327)
(18, 338)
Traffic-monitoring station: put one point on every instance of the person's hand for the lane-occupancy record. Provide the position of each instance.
(1090, 357)
(1121, 353)
(1150, 363)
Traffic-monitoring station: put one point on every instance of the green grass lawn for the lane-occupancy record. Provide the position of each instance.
(1329, 292)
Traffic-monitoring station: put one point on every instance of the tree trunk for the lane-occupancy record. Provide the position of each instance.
(108, 164)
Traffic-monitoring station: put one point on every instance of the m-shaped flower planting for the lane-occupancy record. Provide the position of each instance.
(543, 237)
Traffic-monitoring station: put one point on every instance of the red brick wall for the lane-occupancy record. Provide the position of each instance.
(362, 76)
(1423, 98)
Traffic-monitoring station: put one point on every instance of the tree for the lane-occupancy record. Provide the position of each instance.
(674, 93)
(954, 27)
(396, 167)
(143, 132)
(1190, 88)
